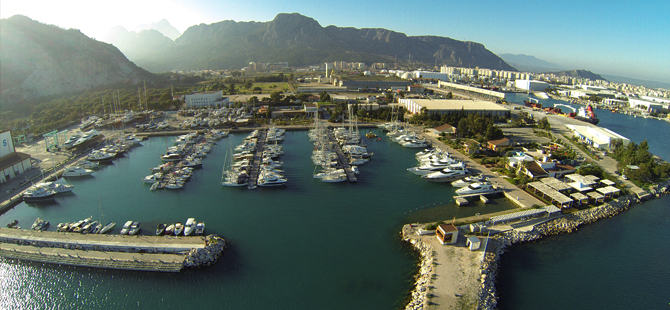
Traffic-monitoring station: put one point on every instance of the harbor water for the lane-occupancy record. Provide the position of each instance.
(615, 263)
(309, 245)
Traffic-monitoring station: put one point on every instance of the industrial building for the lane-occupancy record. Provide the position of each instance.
(12, 163)
(647, 105)
(444, 106)
(206, 99)
(597, 137)
(531, 85)
(317, 89)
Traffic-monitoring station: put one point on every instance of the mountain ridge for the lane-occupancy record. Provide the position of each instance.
(301, 40)
(39, 60)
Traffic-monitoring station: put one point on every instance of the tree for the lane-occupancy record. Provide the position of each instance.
(449, 96)
(324, 96)
(248, 84)
(257, 89)
(544, 124)
(276, 96)
(232, 88)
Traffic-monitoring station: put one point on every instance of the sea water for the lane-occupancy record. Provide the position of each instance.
(308, 245)
(615, 263)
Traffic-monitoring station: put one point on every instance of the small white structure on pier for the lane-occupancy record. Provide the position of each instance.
(447, 233)
(473, 243)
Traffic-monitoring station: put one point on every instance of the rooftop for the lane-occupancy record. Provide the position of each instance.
(456, 104)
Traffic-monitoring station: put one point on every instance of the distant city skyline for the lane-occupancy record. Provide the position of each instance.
(607, 37)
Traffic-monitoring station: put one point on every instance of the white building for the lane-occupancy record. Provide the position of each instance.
(646, 105)
(206, 99)
(598, 137)
(444, 106)
(12, 163)
(531, 85)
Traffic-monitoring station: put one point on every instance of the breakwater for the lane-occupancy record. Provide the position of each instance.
(146, 253)
(488, 298)
(420, 290)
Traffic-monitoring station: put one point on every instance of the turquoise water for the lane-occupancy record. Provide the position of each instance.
(616, 263)
(310, 245)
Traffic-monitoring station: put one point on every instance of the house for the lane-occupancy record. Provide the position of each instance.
(447, 233)
(542, 169)
(472, 147)
(518, 157)
(496, 145)
(446, 129)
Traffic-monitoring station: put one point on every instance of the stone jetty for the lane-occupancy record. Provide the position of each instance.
(147, 253)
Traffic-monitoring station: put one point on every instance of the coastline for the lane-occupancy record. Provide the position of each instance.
(487, 296)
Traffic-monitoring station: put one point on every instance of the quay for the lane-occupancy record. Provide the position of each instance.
(258, 159)
(342, 159)
(497, 191)
(144, 253)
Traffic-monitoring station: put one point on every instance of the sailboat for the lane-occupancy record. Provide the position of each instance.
(230, 176)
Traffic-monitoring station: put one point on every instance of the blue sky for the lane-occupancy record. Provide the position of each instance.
(622, 38)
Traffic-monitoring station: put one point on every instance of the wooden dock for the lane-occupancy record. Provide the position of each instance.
(258, 159)
(342, 159)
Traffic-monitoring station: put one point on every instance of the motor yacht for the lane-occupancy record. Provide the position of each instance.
(156, 177)
(100, 156)
(270, 179)
(58, 187)
(134, 228)
(39, 194)
(468, 180)
(76, 171)
(476, 188)
(448, 174)
(107, 227)
(40, 224)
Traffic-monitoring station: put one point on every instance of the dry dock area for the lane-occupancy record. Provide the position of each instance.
(147, 253)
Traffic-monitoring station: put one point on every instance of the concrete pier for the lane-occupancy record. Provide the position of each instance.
(342, 159)
(147, 253)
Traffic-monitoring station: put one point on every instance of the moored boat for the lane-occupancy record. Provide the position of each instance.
(126, 228)
(178, 228)
(160, 230)
(189, 226)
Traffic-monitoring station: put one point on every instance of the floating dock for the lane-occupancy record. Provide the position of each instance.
(342, 159)
(258, 159)
(143, 253)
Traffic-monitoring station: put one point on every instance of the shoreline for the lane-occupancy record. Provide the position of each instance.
(497, 245)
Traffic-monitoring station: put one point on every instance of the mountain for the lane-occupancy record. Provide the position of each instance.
(137, 44)
(645, 83)
(528, 63)
(584, 74)
(162, 26)
(301, 41)
(39, 60)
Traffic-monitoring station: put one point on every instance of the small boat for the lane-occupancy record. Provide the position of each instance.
(96, 230)
(126, 228)
(178, 228)
(40, 224)
(169, 230)
(200, 229)
(160, 230)
(58, 187)
(86, 164)
(134, 228)
(76, 171)
(189, 227)
(13, 224)
(107, 227)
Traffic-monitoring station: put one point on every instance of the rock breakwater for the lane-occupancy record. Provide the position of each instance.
(206, 256)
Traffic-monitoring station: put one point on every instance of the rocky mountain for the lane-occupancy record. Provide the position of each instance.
(528, 63)
(137, 44)
(301, 40)
(585, 74)
(39, 60)
(162, 26)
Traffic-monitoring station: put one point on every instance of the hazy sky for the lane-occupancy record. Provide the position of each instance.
(626, 38)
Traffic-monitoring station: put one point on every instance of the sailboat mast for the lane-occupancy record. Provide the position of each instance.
(139, 98)
(145, 95)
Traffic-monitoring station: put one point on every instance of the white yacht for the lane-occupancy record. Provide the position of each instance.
(87, 164)
(334, 178)
(189, 227)
(178, 228)
(126, 228)
(76, 171)
(70, 142)
(426, 169)
(134, 228)
(156, 177)
(468, 180)
(415, 143)
(270, 179)
(107, 227)
(97, 156)
(200, 228)
(476, 188)
(452, 173)
(58, 187)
